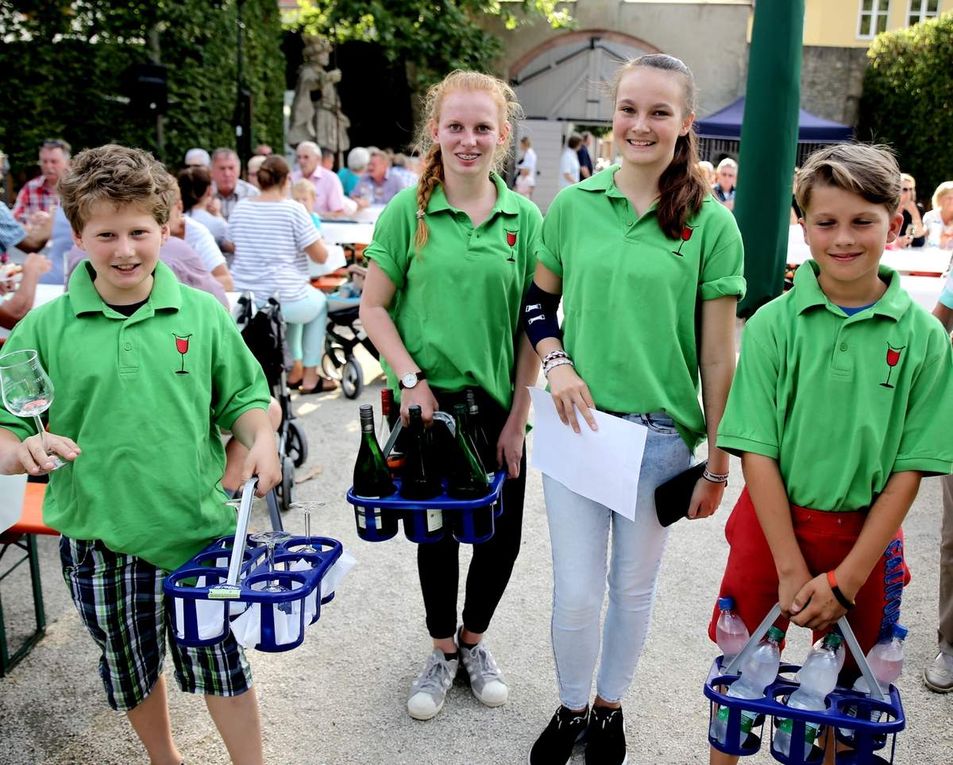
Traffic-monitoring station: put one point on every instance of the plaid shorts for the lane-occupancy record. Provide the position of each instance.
(120, 600)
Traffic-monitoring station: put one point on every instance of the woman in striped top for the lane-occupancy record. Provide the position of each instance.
(273, 238)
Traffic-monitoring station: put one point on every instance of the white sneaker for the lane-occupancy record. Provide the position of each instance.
(938, 676)
(429, 689)
(486, 679)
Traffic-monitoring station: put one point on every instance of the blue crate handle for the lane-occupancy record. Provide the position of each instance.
(762, 629)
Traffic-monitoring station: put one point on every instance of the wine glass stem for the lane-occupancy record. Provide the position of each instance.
(41, 430)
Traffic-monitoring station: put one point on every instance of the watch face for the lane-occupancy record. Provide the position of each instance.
(409, 380)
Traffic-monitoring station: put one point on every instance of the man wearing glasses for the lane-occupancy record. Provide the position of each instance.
(39, 194)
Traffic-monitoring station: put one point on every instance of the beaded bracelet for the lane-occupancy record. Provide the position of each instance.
(552, 355)
(715, 477)
(547, 368)
(841, 597)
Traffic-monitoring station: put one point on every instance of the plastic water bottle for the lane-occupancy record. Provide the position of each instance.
(817, 677)
(758, 671)
(841, 652)
(886, 662)
(730, 632)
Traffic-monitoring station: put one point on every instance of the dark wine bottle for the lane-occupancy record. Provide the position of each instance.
(420, 479)
(478, 435)
(467, 479)
(372, 480)
(395, 460)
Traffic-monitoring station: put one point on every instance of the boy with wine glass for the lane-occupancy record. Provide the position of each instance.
(143, 366)
(834, 413)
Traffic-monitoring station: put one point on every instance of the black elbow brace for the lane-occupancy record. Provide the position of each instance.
(539, 314)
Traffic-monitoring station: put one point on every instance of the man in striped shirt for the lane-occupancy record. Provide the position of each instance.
(39, 194)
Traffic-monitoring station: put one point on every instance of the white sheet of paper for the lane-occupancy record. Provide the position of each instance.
(603, 465)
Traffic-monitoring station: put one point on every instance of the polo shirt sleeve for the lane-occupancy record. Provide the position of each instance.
(925, 444)
(11, 232)
(392, 245)
(305, 232)
(749, 423)
(722, 273)
(238, 383)
(533, 227)
(25, 335)
(547, 250)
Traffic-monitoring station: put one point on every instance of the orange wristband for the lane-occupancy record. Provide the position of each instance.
(841, 598)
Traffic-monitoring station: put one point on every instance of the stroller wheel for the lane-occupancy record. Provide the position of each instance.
(286, 495)
(297, 444)
(352, 378)
(330, 365)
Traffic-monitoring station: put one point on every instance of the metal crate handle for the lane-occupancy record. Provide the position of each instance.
(762, 629)
(443, 417)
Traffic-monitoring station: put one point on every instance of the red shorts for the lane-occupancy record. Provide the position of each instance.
(825, 538)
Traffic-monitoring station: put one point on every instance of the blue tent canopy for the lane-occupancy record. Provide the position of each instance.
(726, 124)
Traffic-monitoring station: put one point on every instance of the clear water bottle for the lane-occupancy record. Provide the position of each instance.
(758, 671)
(730, 632)
(817, 678)
(841, 651)
(886, 662)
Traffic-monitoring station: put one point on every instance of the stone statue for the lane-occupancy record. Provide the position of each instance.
(321, 120)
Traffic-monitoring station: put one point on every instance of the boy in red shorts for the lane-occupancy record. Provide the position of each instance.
(834, 412)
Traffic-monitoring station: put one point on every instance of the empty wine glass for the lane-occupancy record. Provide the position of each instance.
(270, 539)
(27, 391)
(306, 507)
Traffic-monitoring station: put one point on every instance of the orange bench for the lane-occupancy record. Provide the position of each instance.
(22, 535)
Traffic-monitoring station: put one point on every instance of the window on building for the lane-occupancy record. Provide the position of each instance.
(873, 17)
(921, 10)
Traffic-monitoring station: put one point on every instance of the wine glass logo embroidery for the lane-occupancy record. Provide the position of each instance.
(182, 346)
(511, 241)
(893, 358)
(685, 236)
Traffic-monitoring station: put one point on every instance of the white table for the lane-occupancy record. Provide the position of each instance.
(915, 260)
(356, 229)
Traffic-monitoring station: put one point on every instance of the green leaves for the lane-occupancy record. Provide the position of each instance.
(908, 97)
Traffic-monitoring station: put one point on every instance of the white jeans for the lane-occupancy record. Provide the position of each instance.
(579, 532)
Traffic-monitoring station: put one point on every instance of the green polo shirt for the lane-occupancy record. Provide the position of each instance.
(457, 305)
(147, 481)
(631, 296)
(811, 391)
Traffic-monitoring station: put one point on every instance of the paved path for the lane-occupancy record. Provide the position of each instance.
(339, 699)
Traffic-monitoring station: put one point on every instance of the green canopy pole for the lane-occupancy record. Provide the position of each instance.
(769, 147)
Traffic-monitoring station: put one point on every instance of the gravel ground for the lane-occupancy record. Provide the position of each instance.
(339, 698)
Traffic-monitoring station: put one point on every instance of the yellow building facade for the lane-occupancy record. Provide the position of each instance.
(855, 23)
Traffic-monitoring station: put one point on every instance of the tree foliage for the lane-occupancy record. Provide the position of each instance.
(64, 72)
(433, 37)
(908, 99)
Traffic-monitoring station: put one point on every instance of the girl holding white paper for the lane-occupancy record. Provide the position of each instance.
(649, 267)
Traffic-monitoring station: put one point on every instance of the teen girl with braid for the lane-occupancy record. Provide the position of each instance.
(649, 268)
(449, 265)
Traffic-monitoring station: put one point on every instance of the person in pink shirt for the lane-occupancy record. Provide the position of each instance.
(330, 201)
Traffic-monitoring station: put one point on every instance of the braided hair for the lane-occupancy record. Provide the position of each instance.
(431, 174)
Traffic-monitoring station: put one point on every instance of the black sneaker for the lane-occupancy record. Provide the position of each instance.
(606, 738)
(554, 745)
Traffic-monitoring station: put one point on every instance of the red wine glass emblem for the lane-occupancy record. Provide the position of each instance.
(182, 346)
(684, 237)
(893, 358)
(511, 241)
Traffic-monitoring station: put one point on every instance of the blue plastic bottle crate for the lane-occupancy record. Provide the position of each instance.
(374, 517)
(202, 605)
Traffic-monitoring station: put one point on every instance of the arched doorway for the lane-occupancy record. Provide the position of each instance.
(563, 83)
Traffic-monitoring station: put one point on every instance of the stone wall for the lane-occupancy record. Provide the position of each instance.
(832, 80)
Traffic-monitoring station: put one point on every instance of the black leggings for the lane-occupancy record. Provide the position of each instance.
(438, 563)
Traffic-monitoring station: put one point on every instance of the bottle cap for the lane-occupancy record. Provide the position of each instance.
(776, 634)
(726, 603)
(459, 410)
(900, 632)
(833, 640)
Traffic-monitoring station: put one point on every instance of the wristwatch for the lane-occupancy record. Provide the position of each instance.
(410, 380)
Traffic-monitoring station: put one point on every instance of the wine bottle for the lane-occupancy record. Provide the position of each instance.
(372, 480)
(420, 479)
(478, 435)
(395, 460)
(467, 479)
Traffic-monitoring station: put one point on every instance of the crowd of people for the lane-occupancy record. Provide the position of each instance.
(645, 260)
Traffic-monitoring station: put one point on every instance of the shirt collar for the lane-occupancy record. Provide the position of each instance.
(506, 202)
(166, 292)
(808, 293)
(604, 182)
